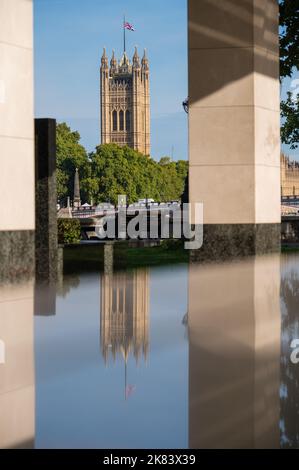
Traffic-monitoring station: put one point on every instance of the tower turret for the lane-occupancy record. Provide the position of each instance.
(146, 112)
(144, 62)
(104, 96)
(136, 59)
(104, 60)
(124, 65)
(113, 64)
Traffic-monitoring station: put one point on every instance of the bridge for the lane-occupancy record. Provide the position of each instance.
(158, 221)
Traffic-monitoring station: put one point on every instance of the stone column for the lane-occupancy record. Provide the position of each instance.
(234, 128)
(46, 199)
(17, 381)
(234, 354)
(16, 140)
(77, 199)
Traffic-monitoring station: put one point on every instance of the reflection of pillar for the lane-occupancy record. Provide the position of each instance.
(17, 372)
(46, 199)
(45, 299)
(234, 128)
(45, 290)
(108, 257)
(234, 354)
(289, 398)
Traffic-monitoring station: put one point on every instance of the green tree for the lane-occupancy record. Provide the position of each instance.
(290, 125)
(164, 160)
(122, 170)
(289, 36)
(70, 155)
(289, 62)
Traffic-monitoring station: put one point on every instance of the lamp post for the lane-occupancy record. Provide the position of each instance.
(186, 105)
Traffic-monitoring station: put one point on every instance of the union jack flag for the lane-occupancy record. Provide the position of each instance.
(130, 389)
(128, 26)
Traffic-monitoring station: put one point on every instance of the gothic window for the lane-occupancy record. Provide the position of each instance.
(121, 120)
(114, 120)
(128, 121)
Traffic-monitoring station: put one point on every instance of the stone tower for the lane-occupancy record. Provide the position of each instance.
(125, 101)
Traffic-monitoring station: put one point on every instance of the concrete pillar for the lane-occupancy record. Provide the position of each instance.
(234, 129)
(16, 140)
(17, 382)
(46, 200)
(234, 354)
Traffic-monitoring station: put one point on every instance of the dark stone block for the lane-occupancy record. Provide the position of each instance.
(17, 258)
(232, 241)
(46, 199)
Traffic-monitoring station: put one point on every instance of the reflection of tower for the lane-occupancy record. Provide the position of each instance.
(124, 314)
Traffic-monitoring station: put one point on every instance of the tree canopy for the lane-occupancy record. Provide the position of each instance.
(289, 36)
(112, 170)
(122, 170)
(289, 62)
(70, 154)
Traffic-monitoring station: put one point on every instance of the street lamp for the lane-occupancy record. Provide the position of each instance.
(186, 105)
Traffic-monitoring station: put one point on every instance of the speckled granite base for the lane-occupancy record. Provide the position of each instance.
(230, 241)
(16, 255)
(45, 200)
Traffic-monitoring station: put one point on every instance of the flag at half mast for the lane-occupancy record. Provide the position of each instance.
(128, 26)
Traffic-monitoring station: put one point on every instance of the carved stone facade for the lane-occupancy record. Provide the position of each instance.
(125, 102)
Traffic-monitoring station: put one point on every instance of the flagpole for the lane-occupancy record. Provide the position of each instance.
(124, 34)
(125, 379)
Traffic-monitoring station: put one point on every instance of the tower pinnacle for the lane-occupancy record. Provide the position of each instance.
(104, 59)
(136, 60)
(113, 62)
(144, 61)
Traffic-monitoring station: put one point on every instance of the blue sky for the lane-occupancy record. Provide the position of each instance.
(69, 38)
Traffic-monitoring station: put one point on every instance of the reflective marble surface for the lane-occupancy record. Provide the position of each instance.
(198, 356)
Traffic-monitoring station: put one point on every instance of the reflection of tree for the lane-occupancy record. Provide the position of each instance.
(66, 283)
(289, 371)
